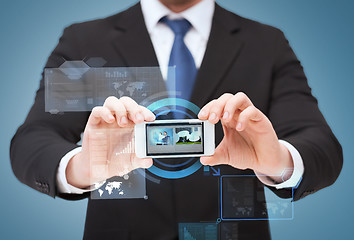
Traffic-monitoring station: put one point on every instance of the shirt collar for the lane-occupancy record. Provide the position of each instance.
(200, 15)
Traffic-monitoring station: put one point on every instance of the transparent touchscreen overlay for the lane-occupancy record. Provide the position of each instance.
(131, 185)
(114, 168)
(243, 197)
(205, 231)
(75, 86)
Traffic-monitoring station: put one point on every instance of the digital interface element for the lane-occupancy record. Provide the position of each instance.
(75, 86)
(278, 208)
(229, 231)
(174, 139)
(131, 185)
(112, 160)
(197, 231)
(244, 197)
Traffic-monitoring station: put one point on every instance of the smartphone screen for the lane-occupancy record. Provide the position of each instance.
(174, 139)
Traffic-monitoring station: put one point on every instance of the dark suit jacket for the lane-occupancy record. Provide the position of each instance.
(241, 55)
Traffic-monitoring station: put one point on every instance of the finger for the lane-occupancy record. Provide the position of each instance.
(204, 112)
(134, 163)
(218, 107)
(239, 101)
(141, 162)
(217, 159)
(114, 105)
(100, 113)
(98, 172)
(135, 113)
(148, 115)
(250, 114)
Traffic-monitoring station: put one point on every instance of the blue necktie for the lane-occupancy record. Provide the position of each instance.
(185, 71)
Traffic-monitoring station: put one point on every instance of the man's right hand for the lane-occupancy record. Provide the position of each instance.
(107, 146)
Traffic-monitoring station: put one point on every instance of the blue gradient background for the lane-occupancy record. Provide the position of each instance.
(321, 33)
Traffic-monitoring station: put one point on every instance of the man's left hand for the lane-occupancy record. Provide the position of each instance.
(250, 141)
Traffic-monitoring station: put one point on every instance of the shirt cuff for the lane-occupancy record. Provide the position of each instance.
(296, 172)
(62, 183)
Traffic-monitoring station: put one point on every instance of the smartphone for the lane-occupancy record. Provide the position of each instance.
(174, 138)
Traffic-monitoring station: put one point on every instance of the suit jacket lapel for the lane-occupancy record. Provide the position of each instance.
(131, 39)
(132, 42)
(222, 50)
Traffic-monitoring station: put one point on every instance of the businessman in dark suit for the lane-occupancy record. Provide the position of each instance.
(248, 82)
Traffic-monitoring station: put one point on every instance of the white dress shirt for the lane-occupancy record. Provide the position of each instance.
(162, 37)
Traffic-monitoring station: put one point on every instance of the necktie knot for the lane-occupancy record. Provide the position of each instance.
(179, 26)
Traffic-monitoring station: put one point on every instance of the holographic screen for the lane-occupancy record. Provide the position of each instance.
(115, 171)
(75, 86)
(244, 198)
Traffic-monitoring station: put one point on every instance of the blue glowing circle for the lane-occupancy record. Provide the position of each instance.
(175, 174)
(197, 165)
(173, 101)
(173, 165)
(173, 110)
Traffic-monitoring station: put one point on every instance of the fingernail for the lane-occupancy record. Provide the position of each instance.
(202, 114)
(139, 117)
(226, 115)
(238, 126)
(212, 116)
(110, 118)
(124, 120)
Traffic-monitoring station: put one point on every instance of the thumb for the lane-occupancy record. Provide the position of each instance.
(218, 158)
(140, 162)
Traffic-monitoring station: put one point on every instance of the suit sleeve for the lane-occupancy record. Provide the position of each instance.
(297, 119)
(43, 139)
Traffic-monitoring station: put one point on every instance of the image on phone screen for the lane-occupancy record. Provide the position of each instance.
(174, 139)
